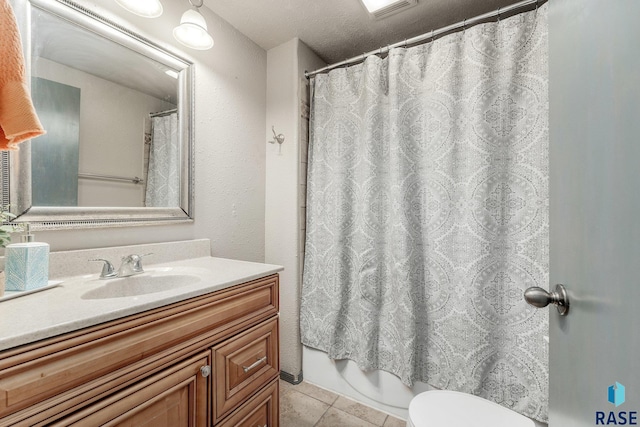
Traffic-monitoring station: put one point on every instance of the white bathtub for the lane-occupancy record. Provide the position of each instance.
(377, 389)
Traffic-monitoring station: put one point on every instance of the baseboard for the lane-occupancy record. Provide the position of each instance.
(290, 378)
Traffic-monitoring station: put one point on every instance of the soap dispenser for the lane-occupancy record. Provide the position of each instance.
(26, 264)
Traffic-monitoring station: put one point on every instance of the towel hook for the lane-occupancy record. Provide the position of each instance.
(279, 138)
(499, 14)
(432, 36)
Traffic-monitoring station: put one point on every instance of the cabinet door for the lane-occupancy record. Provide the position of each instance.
(244, 364)
(176, 397)
(260, 411)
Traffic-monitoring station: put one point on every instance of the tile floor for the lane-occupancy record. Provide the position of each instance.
(305, 405)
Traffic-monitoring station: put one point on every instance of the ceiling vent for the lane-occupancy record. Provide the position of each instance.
(379, 9)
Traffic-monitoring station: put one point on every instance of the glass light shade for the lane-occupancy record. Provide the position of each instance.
(144, 8)
(192, 31)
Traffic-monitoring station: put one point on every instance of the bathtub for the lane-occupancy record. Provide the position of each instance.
(378, 389)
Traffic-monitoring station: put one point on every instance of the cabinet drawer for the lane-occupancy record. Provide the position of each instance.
(244, 364)
(63, 373)
(260, 411)
(173, 398)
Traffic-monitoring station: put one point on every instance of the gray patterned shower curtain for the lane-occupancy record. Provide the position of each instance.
(427, 213)
(163, 176)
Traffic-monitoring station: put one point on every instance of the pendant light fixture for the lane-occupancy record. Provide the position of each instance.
(192, 31)
(144, 8)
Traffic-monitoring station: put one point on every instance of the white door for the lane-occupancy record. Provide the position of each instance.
(595, 211)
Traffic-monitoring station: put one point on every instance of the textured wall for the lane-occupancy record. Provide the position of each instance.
(281, 231)
(230, 90)
(285, 185)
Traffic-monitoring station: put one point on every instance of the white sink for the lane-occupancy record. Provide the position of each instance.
(146, 283)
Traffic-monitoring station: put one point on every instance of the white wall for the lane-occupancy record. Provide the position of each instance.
(230, 99)
(285, 185)
(281, 231)
(106, 149)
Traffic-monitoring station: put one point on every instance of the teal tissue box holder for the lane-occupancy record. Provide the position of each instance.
(27, 266)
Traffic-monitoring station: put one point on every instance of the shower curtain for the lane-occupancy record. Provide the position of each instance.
(427, 213)
(163, 177)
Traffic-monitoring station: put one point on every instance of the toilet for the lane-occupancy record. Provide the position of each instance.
(440, 408)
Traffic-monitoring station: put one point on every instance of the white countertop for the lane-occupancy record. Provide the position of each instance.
(63, 309)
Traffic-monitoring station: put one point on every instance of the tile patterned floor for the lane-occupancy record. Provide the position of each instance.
(305, 405)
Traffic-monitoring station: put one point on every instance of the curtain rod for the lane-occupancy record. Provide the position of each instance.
(163, 113)
(430, 35)
(135, 179)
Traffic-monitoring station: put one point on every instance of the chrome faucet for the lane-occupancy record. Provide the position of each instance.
(108, 272)
(131, 265)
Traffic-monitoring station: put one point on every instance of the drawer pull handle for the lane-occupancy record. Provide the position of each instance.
(205, 370)
(254, 364)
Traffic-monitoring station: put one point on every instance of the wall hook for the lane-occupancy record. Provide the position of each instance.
(279, 138)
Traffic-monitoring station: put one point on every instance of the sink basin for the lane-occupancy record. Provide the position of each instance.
(140, 285)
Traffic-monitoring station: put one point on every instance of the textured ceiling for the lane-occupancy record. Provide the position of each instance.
(341, 29)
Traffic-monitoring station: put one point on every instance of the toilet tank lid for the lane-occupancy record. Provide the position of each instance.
(438, 408)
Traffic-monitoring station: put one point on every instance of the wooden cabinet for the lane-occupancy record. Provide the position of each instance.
(160, 367)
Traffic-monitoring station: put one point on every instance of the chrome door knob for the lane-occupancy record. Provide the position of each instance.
(538, 297)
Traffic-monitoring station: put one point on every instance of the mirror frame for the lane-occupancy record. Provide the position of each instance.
(16, 165)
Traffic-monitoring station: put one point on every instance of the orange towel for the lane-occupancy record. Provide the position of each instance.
(18, 119)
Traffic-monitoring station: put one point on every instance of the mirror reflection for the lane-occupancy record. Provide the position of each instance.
(111, 116)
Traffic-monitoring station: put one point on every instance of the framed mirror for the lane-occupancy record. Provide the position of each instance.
(118, 112)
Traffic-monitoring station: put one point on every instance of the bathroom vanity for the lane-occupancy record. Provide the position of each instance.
(202, 354)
